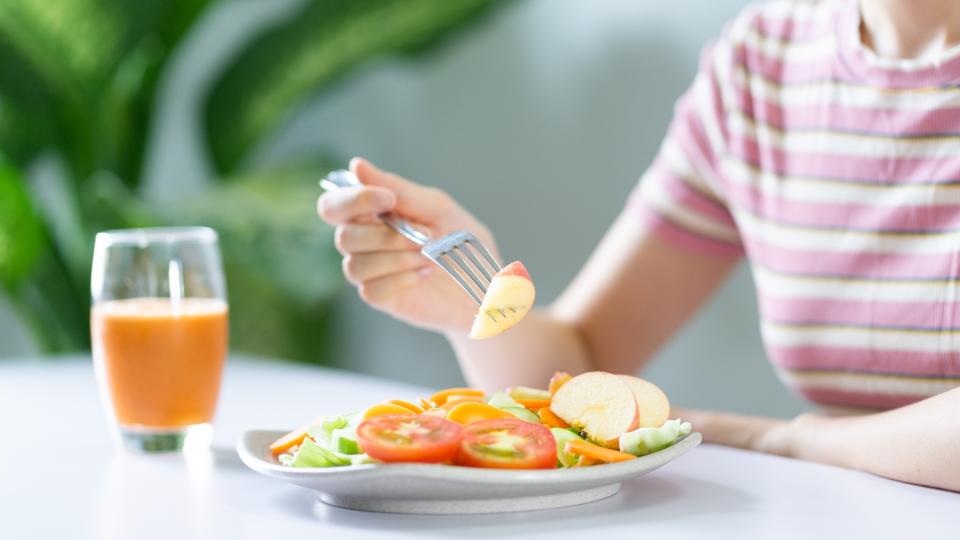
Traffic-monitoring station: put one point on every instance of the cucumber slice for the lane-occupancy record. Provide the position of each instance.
(522, 413)
(563, 436)
(501, 400)
(344, 440)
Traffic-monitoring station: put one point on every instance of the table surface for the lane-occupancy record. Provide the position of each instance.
(62, 477)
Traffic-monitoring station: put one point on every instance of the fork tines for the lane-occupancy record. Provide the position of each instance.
(458, 253)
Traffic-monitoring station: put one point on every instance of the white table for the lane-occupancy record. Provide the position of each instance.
(61, 478)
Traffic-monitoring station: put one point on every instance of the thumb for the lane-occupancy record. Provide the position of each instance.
(416, 201)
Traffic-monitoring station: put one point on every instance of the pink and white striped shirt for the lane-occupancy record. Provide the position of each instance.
(837, 174)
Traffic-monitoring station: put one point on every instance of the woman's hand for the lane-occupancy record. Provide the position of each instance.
(388, 270)
(757, 433)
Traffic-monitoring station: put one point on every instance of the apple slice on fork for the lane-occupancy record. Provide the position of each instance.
(508, 299)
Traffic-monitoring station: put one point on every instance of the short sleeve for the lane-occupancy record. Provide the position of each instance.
(681, 196)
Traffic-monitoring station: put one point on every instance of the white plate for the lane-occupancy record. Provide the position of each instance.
(410, 488)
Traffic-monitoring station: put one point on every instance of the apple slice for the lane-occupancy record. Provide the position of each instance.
(509, 298)
(653, 407)
(599, 403)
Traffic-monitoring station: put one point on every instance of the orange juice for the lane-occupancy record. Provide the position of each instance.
(161, 360)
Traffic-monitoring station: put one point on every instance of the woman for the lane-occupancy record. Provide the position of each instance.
(820, 141)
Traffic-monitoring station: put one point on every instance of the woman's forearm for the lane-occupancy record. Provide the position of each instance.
(919, 443)
(526, 355)
(633, 294)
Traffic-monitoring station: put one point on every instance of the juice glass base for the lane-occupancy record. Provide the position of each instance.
(179, 439)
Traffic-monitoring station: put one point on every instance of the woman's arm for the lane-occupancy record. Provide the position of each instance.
(919, 443)
(635, 291)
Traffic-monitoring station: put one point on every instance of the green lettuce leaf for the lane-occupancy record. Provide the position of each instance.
(310, 454)
(332, 442)
(643, 441)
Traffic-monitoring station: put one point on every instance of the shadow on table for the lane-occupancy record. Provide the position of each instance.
(642, 500)
(227, 458)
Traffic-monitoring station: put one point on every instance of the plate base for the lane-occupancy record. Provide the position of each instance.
(471, 506)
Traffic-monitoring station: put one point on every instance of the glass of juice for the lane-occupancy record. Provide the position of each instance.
(159, 333)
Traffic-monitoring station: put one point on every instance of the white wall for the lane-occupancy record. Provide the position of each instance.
(540, 123)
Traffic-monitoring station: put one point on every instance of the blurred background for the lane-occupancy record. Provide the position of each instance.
(538, 115)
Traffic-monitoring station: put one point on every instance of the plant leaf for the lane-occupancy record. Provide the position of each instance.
(34, 275)
(26, 124)
(127, 103)
(21, 231)
(58, 318)
(312, 49)
(269, 223)
(282, 268)
(87, 71)
(75, 46)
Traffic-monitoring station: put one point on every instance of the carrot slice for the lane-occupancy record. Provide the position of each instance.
(453, 401)
(599, 453)
(288, 441)
(441, 397)
(424, 404)
(534, 404)
(406, 405)
(559, 379)
(467, 412)
(551, 419)
(294, 438)
(381, 409)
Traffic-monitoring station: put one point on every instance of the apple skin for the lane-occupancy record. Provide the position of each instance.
(509, 298)
(601, 404)
(516, 268)
(653, 407)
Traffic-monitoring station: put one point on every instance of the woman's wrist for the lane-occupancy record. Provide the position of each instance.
(815, 437)
(755, 433)
(786, 437)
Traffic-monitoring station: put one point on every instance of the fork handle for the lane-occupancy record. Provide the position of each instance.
(343, 178)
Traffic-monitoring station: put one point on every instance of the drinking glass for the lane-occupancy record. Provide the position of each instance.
(159, 333)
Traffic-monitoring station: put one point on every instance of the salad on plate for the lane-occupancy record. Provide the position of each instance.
(587, 420)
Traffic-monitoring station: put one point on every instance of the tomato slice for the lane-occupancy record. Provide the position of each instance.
(409, 438)
(507, 443)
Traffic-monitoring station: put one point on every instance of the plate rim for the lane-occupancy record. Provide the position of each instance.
(251, 458)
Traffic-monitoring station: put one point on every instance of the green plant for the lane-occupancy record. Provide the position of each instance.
(79, 80)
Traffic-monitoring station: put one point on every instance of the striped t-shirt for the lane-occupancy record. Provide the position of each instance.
(837, 174)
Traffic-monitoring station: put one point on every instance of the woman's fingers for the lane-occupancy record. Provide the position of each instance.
(383, 292)
(363, 267)
(417, 201)
(354, 204)
(370, 238)
(381, 192)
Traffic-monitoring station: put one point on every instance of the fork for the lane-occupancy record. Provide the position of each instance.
(451, 252)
